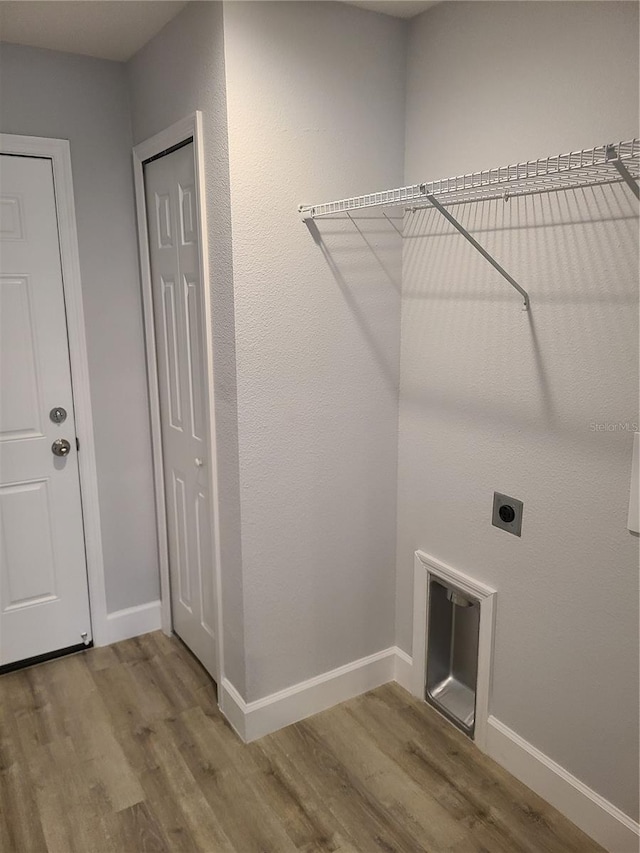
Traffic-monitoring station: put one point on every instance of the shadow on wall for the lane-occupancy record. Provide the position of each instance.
(356, 266)
(469, 349)
(355, 528)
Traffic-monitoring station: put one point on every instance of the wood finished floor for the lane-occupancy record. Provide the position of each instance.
(123, 750)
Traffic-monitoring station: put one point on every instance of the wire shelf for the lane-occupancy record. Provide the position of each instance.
(605, 164)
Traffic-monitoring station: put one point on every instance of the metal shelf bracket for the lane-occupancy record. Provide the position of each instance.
(434, 201)
(589, 167)
(613, 158)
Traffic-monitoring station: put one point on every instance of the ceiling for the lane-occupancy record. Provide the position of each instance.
(397, 8)
(109, 29)
(116, 29)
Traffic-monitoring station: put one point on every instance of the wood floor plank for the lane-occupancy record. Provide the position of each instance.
(152, 701)
(192, 677)
(27, 700)
(101, 657)
(364, 818)
(130, 728)
(135, 649)
(134, 735)
(102, 756)
(412, 806)
(523, 817)
(20, 823)
(11, 751)
(228, 788)
(124, 750)
(185, 788)
(69, 805)
(136, 829)
(466, 806)
(169, 682)
(170, 815)
(192, 680)
(306, 818)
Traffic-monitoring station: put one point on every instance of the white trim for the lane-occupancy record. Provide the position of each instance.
(59, 152)
(253, 720)
(403, 671)
(154, 398)
(191, 126)
(599, 818)
(424, 565)
(132, 622)
(234, 709)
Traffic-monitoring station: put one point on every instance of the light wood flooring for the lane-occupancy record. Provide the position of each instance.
(123, 750)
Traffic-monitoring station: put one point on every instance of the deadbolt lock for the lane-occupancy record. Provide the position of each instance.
(60, 447)
(58, 415)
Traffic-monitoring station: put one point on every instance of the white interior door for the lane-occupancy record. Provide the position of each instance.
(44, 600)
(179, 330)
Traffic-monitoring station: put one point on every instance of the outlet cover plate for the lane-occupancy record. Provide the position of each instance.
(514, 526)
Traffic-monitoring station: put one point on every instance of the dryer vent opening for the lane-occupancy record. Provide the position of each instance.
(452, 654)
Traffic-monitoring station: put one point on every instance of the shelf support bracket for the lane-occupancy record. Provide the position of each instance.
(625, 174)
(434, 201)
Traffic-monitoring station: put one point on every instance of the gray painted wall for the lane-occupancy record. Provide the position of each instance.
(309, 87)
(310, 584)
(182, 70)
(491, 398)
(494, 399)
(45, 93)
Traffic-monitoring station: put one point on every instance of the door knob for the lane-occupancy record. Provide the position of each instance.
(198, 462)
(60, 447)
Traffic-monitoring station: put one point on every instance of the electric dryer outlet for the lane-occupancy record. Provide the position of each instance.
(507, 513)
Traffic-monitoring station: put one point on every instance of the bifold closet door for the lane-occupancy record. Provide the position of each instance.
(176, 278)
(44, 596)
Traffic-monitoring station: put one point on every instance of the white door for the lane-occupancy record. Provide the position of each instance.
(44, 600)
(179, 329)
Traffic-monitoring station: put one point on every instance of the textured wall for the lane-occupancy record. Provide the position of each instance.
(495, 399)
(182, 70)
(315, 95)
(45, 93)
(306, 409)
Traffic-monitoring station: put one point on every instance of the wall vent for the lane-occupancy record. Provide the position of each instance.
(453, 644)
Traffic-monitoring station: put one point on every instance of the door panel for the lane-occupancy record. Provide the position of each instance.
(19, 413)
(195, 349)
(171, 359)
(177, 303)
(30, 574)
(181, 526)
(44, 601)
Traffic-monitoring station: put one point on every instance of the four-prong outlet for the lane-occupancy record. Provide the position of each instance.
(507, 513)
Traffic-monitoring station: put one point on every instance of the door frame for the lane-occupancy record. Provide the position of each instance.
(59, 152)
(187, 128)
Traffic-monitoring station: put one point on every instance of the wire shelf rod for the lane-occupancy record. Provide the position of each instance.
(604, 164)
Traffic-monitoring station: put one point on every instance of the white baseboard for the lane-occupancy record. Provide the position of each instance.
(600, 819)
(253, 720)
(403, 670)
(131, 622)
(233, 708)
(597, 817)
